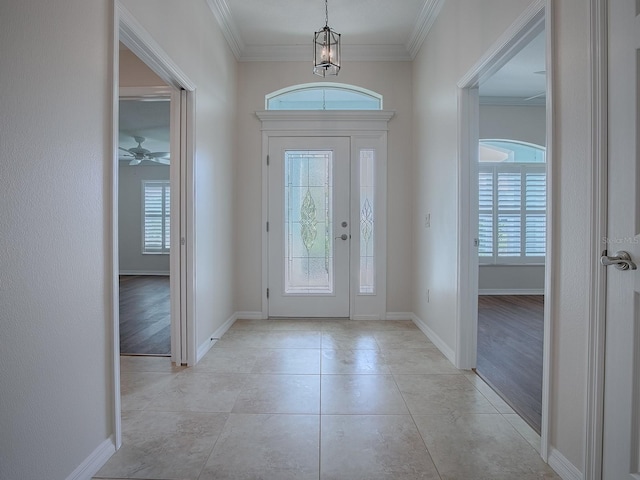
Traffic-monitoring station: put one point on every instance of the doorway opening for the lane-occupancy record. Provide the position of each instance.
(144, 211)
(176, 197)
(489, 104)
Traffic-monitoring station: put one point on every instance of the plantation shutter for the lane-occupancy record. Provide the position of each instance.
(156, 225)
(511, 213)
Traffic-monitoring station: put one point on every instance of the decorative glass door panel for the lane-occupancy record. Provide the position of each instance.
(309, 226)
(308, 207)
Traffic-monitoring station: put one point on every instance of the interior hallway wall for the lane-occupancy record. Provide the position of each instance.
(461, 35)
(189, 33)
(256, 79)
(55, 270)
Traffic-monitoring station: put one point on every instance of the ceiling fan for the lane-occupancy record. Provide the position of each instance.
(138, 154)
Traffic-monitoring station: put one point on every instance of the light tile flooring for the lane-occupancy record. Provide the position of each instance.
(318, 399)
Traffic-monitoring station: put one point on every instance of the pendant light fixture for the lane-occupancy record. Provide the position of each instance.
(326, 49)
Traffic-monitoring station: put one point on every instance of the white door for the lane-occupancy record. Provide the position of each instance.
(621, 451)
(309, 226)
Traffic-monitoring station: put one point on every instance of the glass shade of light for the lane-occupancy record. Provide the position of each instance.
(326, 52)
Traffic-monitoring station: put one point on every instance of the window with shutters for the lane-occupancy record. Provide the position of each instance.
(512, 183)
(156, 200)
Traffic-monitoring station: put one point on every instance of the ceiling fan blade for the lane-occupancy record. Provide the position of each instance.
(135, 161)
(161, 161)
(535, 96)
(159, 154)
(124, 149)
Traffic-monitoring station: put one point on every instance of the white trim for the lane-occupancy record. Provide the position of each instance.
(144, 273)
(399, 316)
(435, 338)
(143, 45)
(146, 93)
(325, 122)
(115, 236)
(366, 317)
(526, 27)
(214, 337)
(222, 12)
(549, 277)
(249, 315)
(467, 255)
(536, 18)
(94, 462)
(425, 21)
(594, 408)
(563, 467)
(130, 32)
(511, 291)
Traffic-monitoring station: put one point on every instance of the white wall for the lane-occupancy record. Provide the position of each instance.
(525, 124)
(460, 36)
(393, 81)
(134, 73)
(55, 267)
(188, 32)
(130, 220)
(511, 279)
(55, 394)
(514, 122)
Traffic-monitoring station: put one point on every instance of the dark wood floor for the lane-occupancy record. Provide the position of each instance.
(510, 339)
(145, 322)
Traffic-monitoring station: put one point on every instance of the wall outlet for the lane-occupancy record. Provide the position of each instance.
(427, 220)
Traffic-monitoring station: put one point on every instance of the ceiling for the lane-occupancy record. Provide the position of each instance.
(521, 78)
(281, 30)
(371, 29)
(148, 118)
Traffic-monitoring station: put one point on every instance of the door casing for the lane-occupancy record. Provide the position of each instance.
(536, 18)
(129, 31)
(362, 127)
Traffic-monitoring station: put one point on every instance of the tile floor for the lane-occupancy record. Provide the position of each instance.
(318, 399)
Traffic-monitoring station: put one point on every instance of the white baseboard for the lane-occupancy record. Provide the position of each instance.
(94, 462)
(399, 316)
(511, 291)
(563, 467)
(365, 317)
(140, 272)
(249, 315)
(214, 337)
(435, 338)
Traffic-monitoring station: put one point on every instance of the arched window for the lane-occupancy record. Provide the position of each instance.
(323, 96)
(512, 202)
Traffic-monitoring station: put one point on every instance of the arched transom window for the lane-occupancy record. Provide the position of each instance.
(324, 96)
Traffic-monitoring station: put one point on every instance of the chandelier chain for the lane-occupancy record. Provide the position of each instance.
(326, 13)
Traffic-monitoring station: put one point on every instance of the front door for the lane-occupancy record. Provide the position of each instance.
(621, 458)
(309, 226)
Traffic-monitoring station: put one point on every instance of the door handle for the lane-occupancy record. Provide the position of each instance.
(344, 236)
(621, 260)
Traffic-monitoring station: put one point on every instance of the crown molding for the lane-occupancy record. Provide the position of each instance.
(426, 19)
(303, 53)
(222, 12)
(353, 53)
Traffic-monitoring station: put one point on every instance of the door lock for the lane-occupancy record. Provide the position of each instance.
(344, 236)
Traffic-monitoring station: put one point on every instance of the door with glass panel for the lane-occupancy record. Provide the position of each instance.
(309, 226)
